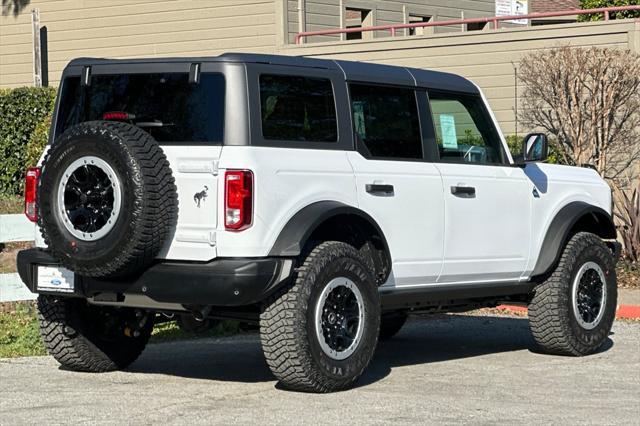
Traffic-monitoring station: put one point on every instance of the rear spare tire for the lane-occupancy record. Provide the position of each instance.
(107, 199)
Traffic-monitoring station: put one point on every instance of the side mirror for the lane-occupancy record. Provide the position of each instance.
(535, 147)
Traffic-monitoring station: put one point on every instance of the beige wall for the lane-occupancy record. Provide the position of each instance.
(488, 57)
(124, 28)
(144, 28)
(116, 28)
(326, 14)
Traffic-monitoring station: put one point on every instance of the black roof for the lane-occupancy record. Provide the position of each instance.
(355, 71)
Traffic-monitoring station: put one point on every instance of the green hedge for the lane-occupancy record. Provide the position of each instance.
(22, 111)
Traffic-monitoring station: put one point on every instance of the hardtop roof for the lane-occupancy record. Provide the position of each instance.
(352, 70)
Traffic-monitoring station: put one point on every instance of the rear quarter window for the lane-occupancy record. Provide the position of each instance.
(296, 108)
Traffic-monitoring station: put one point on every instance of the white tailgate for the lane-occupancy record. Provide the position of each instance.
(195, 171)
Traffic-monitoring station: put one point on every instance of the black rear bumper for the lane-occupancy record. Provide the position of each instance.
(222, 282)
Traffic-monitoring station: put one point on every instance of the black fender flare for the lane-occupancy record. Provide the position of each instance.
(299, 228)
(558, 233)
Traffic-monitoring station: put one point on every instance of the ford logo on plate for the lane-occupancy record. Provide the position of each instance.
(56, 281)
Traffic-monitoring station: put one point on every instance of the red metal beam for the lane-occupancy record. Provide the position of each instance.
(495, 20)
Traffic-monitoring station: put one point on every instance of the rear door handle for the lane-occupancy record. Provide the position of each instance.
(382, 190)
(464, 191)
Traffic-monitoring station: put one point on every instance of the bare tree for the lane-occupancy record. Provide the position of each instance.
(628, 215)
(588, 99)
(13, 6)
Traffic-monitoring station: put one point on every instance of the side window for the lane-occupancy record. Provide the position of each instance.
(386, 121)
(297, 109)
(464, 130)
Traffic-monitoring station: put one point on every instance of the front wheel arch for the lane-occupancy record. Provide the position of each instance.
(573, 218)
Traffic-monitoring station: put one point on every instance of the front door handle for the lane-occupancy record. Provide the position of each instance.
(379, 189)
(464, 191)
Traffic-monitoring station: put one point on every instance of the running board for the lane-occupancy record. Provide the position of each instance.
(434, 296)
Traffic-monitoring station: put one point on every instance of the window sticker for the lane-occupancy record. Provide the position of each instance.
(448, 126)
(358, 119)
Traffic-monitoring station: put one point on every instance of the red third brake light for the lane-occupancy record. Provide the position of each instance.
(238, 199)
(30, 193)
(118, 116)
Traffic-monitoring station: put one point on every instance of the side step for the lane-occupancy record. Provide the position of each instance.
(440, 296)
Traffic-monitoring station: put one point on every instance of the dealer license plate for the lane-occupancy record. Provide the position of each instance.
(55, 278)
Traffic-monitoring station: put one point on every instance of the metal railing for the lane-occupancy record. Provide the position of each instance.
(494, 20)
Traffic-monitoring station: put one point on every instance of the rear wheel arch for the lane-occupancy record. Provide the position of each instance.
(575, 217)
(335, 221)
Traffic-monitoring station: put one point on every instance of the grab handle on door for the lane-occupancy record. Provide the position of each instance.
(463, 191)
(383, 190)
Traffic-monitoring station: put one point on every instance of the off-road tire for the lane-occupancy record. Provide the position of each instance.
(551, 315)
(287, 325)
(391, 324)
(74, 335)
(149, 200)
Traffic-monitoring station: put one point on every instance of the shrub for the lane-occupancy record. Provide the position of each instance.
(594, 4)
(588, 101)
(37, 143)
(21, 110)
(628, 214)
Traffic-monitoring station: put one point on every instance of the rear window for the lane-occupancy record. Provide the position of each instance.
(297, 109)
(165, 105)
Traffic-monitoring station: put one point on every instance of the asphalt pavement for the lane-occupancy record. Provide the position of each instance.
(445, 370)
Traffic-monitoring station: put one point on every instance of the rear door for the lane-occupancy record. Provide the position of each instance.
(194, 163)
(395, 183)
(487, 201)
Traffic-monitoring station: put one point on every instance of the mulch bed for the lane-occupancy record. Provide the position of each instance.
(628, 275)
(8, 253)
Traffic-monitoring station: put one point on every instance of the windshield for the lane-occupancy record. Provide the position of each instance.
(165, 105)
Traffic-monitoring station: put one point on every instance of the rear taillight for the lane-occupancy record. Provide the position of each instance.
(238, 199)
(30, 193)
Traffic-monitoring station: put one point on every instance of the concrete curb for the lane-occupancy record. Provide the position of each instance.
(623, 311)
(16, 227)
(13, 290)
(628, 312)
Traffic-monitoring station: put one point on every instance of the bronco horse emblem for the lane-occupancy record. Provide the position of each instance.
(200, 196)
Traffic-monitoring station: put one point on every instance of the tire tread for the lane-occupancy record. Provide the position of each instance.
(70, 347)
(550, 307)
(285, 348)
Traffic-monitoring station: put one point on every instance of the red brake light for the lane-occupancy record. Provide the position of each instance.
(118, 116)
(31, 192)
(238, 199)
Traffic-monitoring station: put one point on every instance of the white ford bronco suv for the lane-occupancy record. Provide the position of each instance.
(325, 200)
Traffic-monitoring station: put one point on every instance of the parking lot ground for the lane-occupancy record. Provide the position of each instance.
(447, 369)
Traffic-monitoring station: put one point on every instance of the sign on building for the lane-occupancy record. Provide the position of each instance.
(511, 8)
